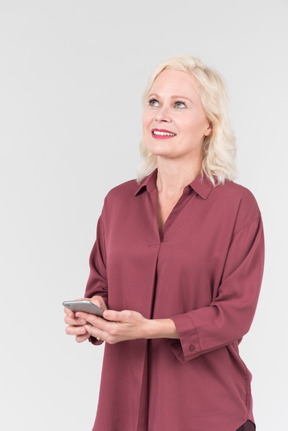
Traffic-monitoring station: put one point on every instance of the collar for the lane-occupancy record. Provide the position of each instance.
(201, 185)
(148, 183)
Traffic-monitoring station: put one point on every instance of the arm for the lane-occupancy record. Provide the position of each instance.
(96, 288)
(230, 314)
(97, 281)
(126, 325)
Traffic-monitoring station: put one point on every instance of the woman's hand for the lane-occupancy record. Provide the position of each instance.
(116, 326)
(76, 325)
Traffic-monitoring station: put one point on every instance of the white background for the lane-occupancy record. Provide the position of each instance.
(71, 80)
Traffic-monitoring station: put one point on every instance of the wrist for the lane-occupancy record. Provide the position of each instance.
(160, 328)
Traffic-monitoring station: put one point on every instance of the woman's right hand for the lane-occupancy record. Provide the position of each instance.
(75, 325)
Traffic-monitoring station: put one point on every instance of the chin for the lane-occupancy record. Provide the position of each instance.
(159, 150)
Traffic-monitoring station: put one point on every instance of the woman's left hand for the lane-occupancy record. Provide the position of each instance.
(118, 326)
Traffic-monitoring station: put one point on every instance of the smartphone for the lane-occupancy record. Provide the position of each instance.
(84, 305)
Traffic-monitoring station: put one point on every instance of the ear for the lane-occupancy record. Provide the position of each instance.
(209, 129)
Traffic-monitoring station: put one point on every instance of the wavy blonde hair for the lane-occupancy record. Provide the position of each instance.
(219, 148)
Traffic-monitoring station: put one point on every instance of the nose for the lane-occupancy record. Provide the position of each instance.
(162, 115)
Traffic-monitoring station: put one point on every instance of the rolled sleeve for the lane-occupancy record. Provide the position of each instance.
(188, 347)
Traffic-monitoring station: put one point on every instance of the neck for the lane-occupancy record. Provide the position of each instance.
(173, 176)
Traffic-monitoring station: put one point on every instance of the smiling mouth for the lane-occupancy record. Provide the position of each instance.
(163, 133)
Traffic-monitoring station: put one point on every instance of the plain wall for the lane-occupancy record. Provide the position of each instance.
(71, 79)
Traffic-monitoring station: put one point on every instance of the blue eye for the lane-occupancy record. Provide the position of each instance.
(153, 102)
(180, 105)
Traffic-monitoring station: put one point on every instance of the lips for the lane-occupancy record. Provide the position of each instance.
(162, 134)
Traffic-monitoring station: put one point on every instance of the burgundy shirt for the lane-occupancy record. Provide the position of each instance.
(204, 271)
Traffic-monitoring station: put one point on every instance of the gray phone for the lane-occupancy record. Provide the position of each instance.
(84, 305)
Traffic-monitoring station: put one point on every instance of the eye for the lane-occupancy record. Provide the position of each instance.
(153, 102)
(179, 105)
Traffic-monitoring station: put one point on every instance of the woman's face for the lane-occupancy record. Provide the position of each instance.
(174, 122)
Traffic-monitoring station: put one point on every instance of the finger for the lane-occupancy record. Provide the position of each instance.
(81, 338)
(115, 316)
(69, 312)
(74, 322)
(99, 301)
(96, 332)
(92, 319)
(76, 330)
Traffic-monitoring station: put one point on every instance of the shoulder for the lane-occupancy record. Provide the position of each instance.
(121, 194)
(236, 192)
(128, 188)
(238, 200)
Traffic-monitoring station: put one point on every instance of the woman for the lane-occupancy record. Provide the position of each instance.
(177, 266)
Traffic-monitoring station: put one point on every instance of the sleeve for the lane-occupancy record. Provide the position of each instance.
(97, 281)
(230, 314)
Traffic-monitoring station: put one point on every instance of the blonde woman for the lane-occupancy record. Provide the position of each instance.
(177, 266)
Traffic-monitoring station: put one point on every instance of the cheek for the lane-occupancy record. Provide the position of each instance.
(146, 120)
(198, 125)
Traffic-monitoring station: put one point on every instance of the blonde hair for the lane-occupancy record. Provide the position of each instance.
(219, 148)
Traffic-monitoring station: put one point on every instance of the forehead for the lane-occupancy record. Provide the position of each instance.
(176, 82)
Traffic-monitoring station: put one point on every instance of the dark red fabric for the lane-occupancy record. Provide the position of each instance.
(248, 426)
(204, 271)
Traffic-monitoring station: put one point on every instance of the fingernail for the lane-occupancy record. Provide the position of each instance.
(83, 321)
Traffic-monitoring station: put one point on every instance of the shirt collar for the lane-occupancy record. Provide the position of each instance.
(201, 185)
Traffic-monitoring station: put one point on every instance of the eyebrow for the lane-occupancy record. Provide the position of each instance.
(172, 97)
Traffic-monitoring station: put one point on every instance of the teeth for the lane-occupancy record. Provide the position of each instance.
(155, 132)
